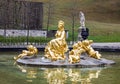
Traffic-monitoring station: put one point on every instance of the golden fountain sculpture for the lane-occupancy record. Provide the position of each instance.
(32, 51)
(56, 48)
(82, 47)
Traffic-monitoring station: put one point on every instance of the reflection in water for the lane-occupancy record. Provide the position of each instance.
(74, 75)
(31, 72)
(55, 76)
(62, 75)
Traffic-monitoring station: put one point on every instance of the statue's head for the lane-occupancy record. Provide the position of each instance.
(30, 47)
(75, 46)
(87, 42)
(60, 24)
(81, 13)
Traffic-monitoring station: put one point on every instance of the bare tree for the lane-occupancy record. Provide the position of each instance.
(50, 12)
(70, 10)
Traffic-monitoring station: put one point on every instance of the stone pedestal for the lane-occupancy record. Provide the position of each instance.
(85, 61)
(83, 33)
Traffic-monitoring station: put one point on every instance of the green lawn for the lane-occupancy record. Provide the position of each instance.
(104, 32)
(98, 32)
(101, 32)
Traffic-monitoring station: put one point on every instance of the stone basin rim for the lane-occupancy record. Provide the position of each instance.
(90, 62)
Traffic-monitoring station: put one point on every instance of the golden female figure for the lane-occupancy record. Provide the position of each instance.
(56, 48)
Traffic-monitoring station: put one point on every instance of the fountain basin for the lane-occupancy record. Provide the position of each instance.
(85, 61)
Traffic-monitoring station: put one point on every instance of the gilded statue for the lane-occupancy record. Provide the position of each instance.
(32, 51)
(89, 50)
(56, 48)
(82, 47)
(74, 54)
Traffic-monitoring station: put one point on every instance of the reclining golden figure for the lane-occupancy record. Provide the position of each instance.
(74, 54)
(81, 47)
(32, 51)
(89, 50)
(56, 48)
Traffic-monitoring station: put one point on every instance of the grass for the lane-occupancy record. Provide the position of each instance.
(104, 32)
(98, 32)
(96, 13)
(99, 28)
(109, 38)
(24, 39)
(101, 18)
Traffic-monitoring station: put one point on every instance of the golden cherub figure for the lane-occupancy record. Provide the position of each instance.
(32, 51)
(74, 54)
(81, 47)
(89, 50)
(56, 48)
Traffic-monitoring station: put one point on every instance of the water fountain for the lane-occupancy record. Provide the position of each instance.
(57, 53)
